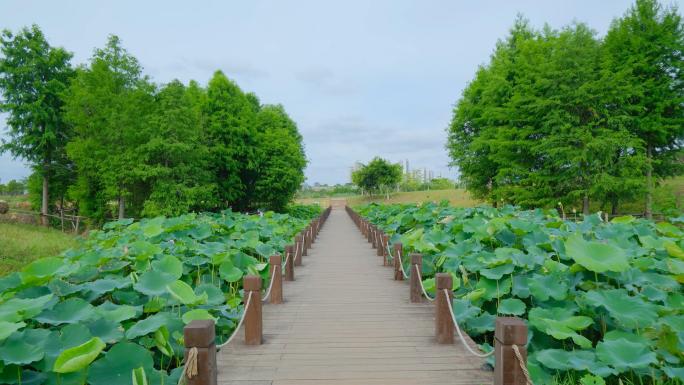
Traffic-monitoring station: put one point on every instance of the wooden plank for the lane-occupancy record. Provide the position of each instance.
(346, 321)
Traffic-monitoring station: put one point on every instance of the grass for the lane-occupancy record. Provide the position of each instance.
(457, 197)
(20, 202)
(21, 243)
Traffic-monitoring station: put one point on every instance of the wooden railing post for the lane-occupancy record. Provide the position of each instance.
(380, 237)
(385, 241)
(416, 293)
(276, 271)
(305, 238)
(289, 262)
(509, 331)
(253, 321)
(299, 243)
(444, 325)
(201, 334)
(398, 276)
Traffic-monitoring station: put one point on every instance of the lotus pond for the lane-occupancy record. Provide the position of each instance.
(604, 301)
(116, 305)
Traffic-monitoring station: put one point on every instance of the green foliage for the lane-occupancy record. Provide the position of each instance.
(378, 176)
(108, 104)
(115, 145)
(561, 116)
(601, 298)
(37, 129)
(304, 211)
(280, 159)
(231, 135)
(119, 301)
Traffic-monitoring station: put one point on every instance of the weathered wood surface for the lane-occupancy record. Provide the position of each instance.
(346, 321)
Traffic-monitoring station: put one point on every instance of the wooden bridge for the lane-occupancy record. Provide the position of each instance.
(345, 320)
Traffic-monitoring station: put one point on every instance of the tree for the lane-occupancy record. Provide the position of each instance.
(281, 159)
(230, 120)
(175, 157)
(492, 165)
(33, 75)
(543, 123)
(108, 104)
(645, 52)
(378, 176)
(441, 184)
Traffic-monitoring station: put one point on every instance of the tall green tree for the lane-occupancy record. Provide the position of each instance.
(280, 159)
(33, 76)
(645, 51)
(108, 104)
(378, 176)
(175, 157)
(231, 132)
(484, 142)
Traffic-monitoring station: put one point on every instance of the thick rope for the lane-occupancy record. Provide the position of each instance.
(242, 319)
(286, 261)
(190, 367)
(270, 286)
(458, 329)
(522, 364)
(403, 272)
(421, 285)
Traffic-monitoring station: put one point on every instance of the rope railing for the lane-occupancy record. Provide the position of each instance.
(521, 362)
(510, 332)
(287, 259)
(422, 287)
(458, 329)
(239, 325)
(190, 367)
(199, 335)
(401, 264)
(270, 286)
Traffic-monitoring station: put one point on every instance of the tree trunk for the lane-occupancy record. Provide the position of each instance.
(122, 207)
(614, 206)
(585, 204)
(44, 203)
(649, 183)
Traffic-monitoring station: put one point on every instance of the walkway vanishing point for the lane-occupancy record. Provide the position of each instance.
(346, 321)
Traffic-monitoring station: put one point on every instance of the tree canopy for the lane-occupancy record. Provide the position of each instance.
(134, 148)
(33, 76)
(564, 116)
(378, 176)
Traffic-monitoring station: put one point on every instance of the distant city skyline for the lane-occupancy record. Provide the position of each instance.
(361, 79)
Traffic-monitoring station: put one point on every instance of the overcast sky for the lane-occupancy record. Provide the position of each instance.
(361, 78)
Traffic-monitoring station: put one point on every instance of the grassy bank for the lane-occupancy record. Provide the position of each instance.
(457, 197)
(21, 244)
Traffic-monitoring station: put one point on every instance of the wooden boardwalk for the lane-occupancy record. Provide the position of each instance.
(346, 321)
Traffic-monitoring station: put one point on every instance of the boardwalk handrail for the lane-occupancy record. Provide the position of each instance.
(422, 287)
(199, 366)
(510, 333)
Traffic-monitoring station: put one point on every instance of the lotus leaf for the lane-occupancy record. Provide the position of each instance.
(623, 354)
(79, 357)
(631, 312)
(7, 328)
(70, 311)
(196, 314)
(149, 325)
(116, 366)
(511, 306)
(596, 256)
(229, 272)
(184, 293)
(154, 283)
(117, 313)
(169, 265)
